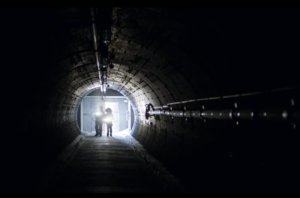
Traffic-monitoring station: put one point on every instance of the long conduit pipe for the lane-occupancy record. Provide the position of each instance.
(96, 48)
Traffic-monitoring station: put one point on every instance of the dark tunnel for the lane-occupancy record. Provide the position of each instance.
(192, 65)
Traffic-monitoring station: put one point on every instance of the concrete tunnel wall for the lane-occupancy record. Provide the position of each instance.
(160, 56)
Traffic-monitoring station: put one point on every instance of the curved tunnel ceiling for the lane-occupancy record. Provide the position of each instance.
(143, 62)
(161, 55)
(155, 56)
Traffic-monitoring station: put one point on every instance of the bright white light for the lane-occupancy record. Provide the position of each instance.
(284, 114)
(107, 120)
(98, 113)
(104, 88)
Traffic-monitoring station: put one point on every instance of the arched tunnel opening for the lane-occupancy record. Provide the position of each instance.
(95, 103)
(214, 91)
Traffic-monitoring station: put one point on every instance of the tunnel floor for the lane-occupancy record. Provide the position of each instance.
(117, 164)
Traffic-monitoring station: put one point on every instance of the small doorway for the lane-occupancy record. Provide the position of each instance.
(91, 104)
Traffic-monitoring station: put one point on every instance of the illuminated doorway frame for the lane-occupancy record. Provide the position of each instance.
(128, 115)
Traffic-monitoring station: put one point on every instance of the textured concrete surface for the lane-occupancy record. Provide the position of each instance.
(115, 164)
(160, 56)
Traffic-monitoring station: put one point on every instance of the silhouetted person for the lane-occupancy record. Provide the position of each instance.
(108, 120)
(99, 122)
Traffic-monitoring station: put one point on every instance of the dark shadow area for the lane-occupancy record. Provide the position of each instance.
(162, 55)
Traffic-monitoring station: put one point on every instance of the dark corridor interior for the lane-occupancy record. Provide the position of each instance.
(182, 61)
